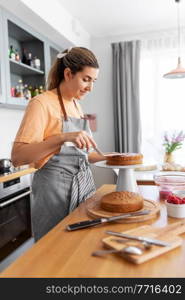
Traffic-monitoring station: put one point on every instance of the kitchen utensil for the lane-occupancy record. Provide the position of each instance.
(169, 184)
(168, 234)
(99, 151)
(127, 250)
(5, 165)
(146, 245)
(90, 223)
(139, 238)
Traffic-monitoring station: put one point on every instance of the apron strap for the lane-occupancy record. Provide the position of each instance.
(62, 104)
(63, 107)
(78, 109)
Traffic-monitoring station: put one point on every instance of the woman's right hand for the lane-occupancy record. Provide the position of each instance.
(80, 138)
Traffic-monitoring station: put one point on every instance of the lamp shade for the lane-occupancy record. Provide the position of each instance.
(179, 72)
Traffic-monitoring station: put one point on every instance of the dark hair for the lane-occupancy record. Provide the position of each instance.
(76, 59)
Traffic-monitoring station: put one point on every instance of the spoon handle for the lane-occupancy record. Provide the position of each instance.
(104, 252)
(126, 251)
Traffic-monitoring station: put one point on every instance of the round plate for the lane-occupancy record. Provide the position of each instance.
(103, 164)
(94, 210)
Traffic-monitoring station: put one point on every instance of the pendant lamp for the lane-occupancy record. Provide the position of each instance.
(179, 72)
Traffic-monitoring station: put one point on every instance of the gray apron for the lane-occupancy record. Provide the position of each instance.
(62, 183)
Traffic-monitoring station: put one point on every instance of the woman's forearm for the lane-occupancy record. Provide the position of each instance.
(29, 153)
(94, 157)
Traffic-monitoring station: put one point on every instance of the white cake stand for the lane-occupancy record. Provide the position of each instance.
(126, 179)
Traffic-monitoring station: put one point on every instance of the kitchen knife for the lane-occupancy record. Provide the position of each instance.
(90, 223)
(140, 238)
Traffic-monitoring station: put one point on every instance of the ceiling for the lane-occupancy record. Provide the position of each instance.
(114, 17)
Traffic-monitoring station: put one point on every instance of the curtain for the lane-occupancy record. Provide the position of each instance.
(126, 61)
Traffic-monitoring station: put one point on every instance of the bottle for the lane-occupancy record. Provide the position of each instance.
(17, 56)
(31, 90)
(12, 53)
(37, 63)
(29, 59)
(20, 89)
(27, 93)
(41, 90)
(35, 92)
(12, 91)
(17, 94)
(24, 57)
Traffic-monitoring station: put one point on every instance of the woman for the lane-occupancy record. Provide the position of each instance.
(57, 140)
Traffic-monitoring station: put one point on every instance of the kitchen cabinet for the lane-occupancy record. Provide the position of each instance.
(23, 39)
(2, 61)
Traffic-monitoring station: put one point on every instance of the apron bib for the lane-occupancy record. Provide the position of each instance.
(62, 183)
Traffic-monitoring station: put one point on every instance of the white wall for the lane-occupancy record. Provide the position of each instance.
(9, 124)
(50, 19)
(100, 102)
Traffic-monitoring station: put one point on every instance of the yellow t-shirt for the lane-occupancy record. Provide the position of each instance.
(42, 119)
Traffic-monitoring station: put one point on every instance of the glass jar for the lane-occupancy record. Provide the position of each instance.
(169, 184)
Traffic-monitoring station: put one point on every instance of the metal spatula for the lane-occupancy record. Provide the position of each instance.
(99, 151)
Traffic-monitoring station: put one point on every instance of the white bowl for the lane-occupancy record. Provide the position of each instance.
(175, 210)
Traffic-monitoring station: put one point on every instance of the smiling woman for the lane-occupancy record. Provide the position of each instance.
(56, 138)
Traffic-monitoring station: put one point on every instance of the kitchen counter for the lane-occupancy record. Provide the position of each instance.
(68, 254)
(16, 173)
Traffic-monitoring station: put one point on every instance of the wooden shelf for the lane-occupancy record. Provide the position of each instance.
(17, 101)
(22, 69)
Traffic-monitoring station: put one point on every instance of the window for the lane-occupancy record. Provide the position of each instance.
(162, 102)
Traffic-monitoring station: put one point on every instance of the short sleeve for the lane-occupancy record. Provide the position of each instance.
(34, 123)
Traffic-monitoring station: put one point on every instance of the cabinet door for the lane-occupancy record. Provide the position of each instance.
(51, 51)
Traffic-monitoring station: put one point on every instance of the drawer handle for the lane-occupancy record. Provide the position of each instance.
(14, 199)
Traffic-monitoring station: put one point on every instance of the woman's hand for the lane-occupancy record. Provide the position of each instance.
(111, 153)
(80, 138)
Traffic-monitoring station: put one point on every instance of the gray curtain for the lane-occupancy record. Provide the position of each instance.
(126, 57)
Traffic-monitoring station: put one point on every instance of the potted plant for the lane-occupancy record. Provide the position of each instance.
(171, 143)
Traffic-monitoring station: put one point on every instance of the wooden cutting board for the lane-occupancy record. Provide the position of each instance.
(168, 233)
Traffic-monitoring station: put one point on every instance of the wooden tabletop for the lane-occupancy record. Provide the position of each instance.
(18, 173)
(68, 254)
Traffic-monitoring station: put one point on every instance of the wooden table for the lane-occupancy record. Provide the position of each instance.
(68, 254)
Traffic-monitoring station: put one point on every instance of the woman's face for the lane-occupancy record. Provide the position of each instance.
(82, 82)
